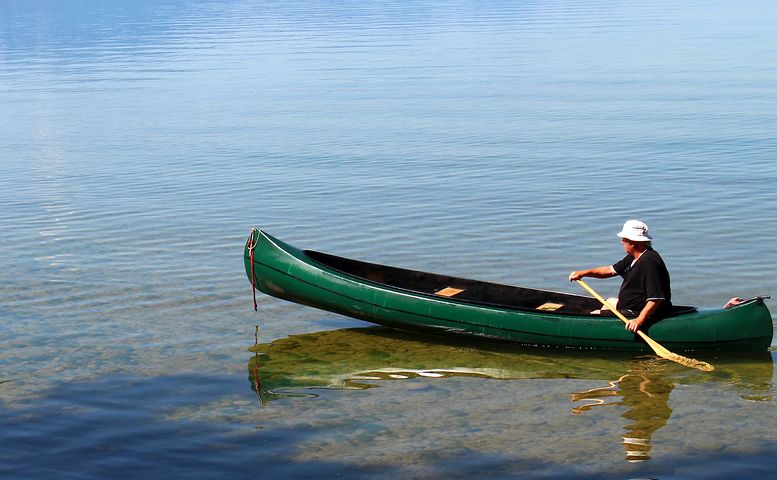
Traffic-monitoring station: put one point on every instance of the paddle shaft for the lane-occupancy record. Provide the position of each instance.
(604, 302)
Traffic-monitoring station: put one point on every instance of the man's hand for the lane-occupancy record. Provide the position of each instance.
(634, 325)
(650, 307)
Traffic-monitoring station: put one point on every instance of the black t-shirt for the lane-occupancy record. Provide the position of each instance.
(648, 279)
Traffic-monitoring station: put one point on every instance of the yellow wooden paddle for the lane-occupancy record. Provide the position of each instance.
(657, 347)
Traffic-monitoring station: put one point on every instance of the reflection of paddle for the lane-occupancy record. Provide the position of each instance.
(657, 347)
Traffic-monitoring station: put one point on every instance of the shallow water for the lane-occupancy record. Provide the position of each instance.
(505, 141)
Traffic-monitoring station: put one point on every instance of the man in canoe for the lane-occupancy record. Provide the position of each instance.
(645, 292)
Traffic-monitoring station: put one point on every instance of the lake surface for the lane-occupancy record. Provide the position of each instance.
(504, 141)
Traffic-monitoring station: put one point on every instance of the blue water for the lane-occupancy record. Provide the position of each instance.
(505, 141)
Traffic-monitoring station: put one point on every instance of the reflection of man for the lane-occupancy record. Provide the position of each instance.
(645, 392)
(647, 395)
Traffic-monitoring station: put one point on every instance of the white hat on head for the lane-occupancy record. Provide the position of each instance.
(635, 231)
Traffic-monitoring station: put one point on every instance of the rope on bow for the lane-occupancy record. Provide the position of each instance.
(251, 246)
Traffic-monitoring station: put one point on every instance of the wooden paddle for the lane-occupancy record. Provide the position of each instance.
(657, 347)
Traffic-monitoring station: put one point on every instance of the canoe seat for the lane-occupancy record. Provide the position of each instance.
(449, 291)
(549, 307)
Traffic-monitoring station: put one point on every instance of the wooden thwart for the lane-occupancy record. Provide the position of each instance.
(448, 292)
(550, 307)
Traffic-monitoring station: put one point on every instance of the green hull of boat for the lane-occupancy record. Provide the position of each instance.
(308, 278)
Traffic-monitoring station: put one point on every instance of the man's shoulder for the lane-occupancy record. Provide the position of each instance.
(653, 256)
(650, 253)
(623, 263)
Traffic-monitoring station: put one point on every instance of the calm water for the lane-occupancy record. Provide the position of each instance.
(505, 141)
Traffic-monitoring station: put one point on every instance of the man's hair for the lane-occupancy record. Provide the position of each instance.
(647, 245)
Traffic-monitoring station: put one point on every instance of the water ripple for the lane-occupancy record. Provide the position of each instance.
(506, 141)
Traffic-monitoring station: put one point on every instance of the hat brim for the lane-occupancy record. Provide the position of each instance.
(635, 238)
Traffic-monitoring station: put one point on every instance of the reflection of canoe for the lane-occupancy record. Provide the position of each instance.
(359, 358)
(414, 300)
(638, 388)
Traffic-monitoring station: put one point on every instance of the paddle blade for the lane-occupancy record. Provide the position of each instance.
(662, 352)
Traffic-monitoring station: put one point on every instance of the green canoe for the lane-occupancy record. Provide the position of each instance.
(433, 303)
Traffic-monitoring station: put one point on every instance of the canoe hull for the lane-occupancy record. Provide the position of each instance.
(288, 273)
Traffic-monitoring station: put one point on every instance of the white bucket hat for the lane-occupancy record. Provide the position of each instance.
(635, 231)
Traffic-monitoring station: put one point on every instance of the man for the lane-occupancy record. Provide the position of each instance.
(645, 291)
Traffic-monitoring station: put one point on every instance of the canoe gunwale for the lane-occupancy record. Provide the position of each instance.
(312, 256)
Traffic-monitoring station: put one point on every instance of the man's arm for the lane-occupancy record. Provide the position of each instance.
(599, 272)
